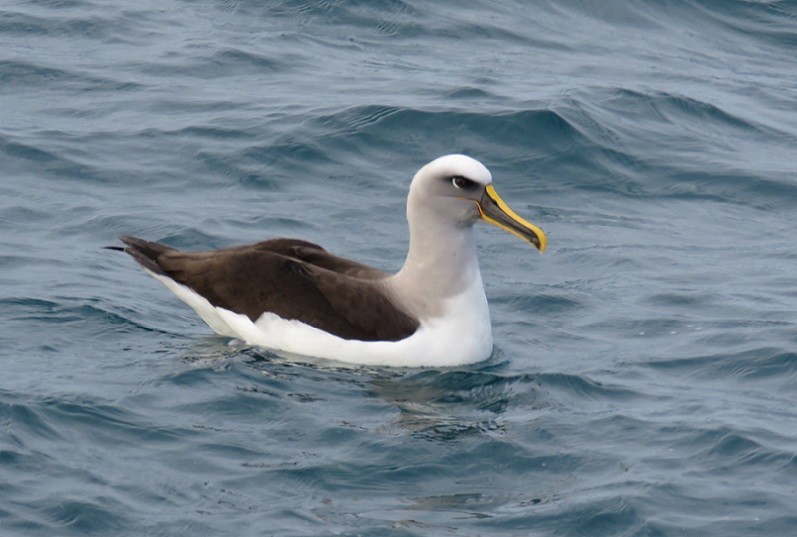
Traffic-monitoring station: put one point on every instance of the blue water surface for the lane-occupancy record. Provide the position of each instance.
(643, 380)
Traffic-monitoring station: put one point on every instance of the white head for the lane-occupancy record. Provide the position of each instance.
(456, 190)
(449, 187)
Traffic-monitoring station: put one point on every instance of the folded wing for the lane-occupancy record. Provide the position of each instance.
(293, 279)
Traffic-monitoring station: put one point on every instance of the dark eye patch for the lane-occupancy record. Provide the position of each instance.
(464, 183)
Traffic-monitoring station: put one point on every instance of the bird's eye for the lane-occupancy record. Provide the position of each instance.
(463, 183)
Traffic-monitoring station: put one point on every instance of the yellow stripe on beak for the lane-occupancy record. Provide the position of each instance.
(494, 210)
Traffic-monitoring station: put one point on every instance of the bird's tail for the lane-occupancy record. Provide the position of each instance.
(146, 253)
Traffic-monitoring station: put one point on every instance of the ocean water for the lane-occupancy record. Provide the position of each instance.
(644, 375)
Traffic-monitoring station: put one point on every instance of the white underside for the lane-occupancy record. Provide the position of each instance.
(460, 335)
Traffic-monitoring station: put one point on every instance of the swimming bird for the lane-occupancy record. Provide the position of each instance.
(293, 297)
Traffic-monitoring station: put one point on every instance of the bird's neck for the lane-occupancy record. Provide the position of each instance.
(441, 261)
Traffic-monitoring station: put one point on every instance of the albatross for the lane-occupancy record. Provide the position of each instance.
(292, 297)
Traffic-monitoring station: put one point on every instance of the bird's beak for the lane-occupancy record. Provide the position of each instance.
(493, 209)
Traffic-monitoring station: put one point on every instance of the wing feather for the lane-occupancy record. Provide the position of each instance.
(291, 278)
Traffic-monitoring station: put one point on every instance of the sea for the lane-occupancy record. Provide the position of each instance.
(643, 379)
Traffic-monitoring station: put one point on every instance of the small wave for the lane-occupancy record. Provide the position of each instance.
(584, 387)
(723, 448)
(516, 135)
(770, 22)
(679, 109)
(64, 312)
(104, 515)
(26, 151)
(107, 423)
(46, 159)
(235, 59)
(703, 151)
(16, 75)
(753, 364)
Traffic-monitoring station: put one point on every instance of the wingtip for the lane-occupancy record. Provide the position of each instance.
(144, 252)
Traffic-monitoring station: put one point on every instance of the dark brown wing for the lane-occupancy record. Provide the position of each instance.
(293, 279)
(313, 254)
